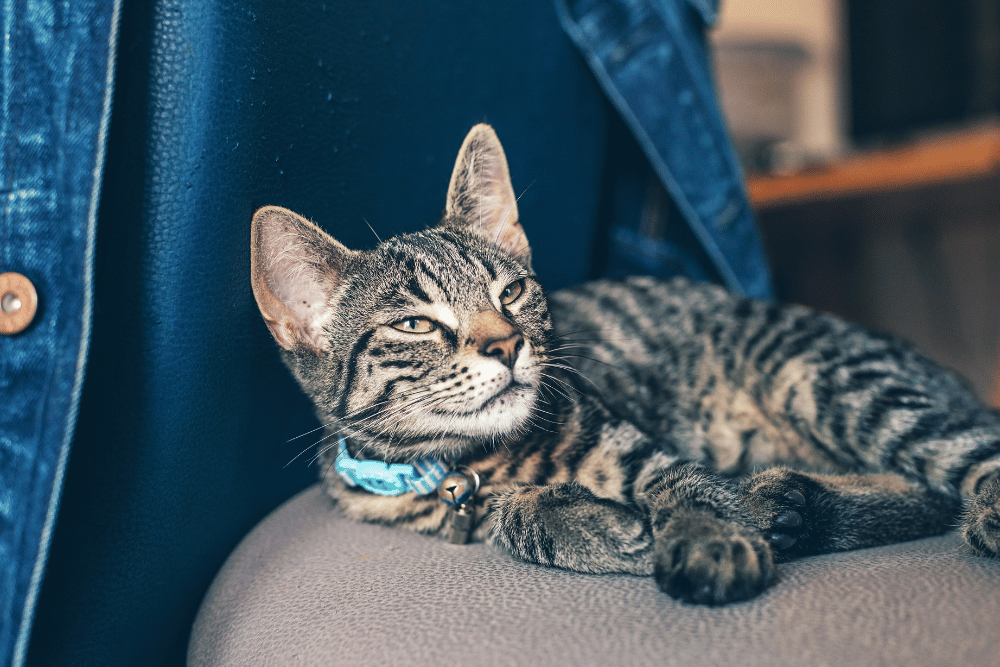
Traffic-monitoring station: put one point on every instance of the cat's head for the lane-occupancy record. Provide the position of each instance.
(429, 344)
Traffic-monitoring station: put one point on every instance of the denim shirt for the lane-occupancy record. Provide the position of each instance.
(55, 93)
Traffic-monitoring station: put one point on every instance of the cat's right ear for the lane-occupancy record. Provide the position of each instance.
(295, 267)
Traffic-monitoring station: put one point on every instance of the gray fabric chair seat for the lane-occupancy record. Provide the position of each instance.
(309, 587)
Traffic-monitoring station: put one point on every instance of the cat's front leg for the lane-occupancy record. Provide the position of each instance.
(803, 513)
(568, 526)
(686, 529)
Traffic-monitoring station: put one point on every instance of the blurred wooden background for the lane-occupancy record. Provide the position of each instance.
(905, 240)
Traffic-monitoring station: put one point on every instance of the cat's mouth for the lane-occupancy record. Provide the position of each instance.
(508, 397)
(511, 392)
(495, 406)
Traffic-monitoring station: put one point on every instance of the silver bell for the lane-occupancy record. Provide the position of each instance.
(455, 489)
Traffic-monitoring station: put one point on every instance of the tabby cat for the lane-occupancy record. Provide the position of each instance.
(616, 426)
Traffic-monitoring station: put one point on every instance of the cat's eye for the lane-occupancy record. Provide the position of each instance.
(511, 292)
(414, 325)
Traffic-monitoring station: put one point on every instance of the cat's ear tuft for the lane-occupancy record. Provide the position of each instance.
(295, 267)
(480, 196)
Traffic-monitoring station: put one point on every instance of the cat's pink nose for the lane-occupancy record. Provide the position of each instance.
(504, 349)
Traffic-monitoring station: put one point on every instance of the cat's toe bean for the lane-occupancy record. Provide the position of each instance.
(782, 540)
(795, 497)
(789, 519)
(704, 595)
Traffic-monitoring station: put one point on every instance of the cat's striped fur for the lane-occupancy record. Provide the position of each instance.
(619, 426)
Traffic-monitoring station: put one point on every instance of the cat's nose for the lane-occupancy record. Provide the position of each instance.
(493, 335)
(504, 349)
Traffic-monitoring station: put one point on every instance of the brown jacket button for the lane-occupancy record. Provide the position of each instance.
(18, 302)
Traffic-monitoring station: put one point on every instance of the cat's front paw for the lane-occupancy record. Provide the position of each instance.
(568, 526)
(781, 502)
(981, 521)
(703, 559)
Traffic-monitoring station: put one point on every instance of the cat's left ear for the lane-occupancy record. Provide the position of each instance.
(480, 196)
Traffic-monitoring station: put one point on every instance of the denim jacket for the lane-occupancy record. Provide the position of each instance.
(55, 96)
(650, 58)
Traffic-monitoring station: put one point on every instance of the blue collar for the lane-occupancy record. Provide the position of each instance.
(389, 479)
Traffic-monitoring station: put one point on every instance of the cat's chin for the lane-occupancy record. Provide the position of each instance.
(506, 413)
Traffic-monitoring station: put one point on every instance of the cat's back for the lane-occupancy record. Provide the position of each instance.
(670, 325)
(676, 357)
(645, 344)
(642, 308)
